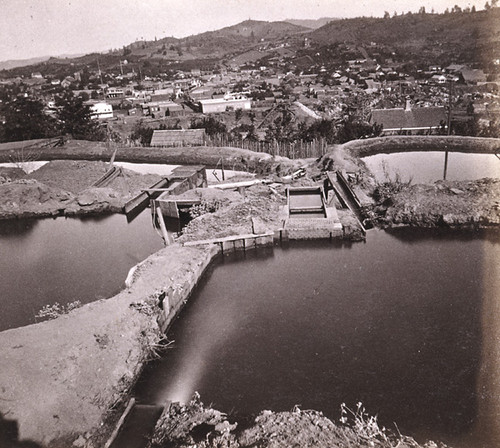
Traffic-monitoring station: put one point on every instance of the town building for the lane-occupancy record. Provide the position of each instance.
(157, 109)
(227, 103)
(100, 110)
(115, 92)
(410, 120)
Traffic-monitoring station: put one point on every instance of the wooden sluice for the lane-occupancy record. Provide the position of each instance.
(308, 216)
(141, 201)
(182, 178)
(111, 174)
(346, 196)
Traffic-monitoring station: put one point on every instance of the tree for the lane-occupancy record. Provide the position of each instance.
(386, 15)
(142, 134)
(421, 10)
(25, 119)
(211, 125)
(75, 119)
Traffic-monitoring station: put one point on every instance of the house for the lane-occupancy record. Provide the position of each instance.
(100, 110)
(227, 103)
(114, 92)
(473, 76)
(409, 120)
(157, 109)
(178, 137)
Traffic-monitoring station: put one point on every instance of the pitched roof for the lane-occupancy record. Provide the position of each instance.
(473, 75)
(399, 118)
(178, 137)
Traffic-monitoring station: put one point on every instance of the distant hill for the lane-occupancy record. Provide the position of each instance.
(14, 63)
(213, 46)
(311, 23)
(424, 39)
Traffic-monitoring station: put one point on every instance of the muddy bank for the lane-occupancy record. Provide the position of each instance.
(64, 380)
(401, 143)
(195, 425)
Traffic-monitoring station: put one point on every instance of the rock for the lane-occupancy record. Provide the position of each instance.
(449, 219)
(80, 442)
(456, 191)
(85, 200)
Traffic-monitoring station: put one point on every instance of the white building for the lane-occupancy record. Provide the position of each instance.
(101, 110)
(229, 102)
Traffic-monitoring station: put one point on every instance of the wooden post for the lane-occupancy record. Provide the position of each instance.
(163, 227)
(449, 129)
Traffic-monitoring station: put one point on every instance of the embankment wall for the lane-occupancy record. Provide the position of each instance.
(61, 380)
(401, 143)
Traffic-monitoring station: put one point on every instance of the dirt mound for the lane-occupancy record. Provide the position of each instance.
(232, 212)
(194, 425)
(9, 174)
(24, 198)
(70, 175)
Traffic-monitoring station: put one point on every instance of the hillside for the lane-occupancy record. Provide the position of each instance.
(462, 36)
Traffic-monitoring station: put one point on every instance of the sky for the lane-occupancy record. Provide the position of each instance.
(33, 28)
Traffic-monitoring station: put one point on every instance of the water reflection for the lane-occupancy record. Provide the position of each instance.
(16, 229)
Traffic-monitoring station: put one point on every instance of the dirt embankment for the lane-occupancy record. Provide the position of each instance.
(407, 143)
(231, 158)
(452, 204)
(63, 380)
(465, 204)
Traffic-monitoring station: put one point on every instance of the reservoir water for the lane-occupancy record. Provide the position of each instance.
(44, 261)
(406, 323)
(425, 167)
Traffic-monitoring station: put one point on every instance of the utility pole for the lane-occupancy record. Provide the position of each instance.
(99, 69)
(448, 125)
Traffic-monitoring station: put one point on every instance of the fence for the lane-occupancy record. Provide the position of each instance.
(298, 149)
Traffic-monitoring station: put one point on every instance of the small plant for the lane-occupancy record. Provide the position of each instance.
(25, 158)
(365, 426)
(49, 312)
(390, 185)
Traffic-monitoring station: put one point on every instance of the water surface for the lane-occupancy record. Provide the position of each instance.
(396, 323)
(428, 167)
(43, 261)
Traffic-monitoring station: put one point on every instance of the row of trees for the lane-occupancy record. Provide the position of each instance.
(27, 118)
(283, 129)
